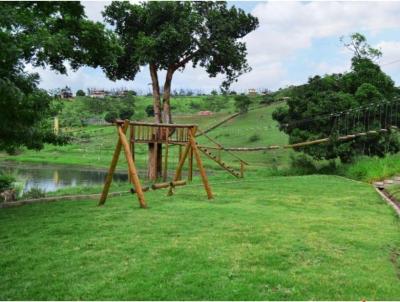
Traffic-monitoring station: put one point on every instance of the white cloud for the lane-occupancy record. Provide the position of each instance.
(93, 9)
(390, 60)
(286, 29)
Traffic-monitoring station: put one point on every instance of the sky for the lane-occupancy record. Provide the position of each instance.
(294, 40)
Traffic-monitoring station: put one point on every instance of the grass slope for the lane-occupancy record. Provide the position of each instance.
(296, 238)
(265, 132)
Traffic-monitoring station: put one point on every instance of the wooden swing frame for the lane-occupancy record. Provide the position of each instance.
(146, 133)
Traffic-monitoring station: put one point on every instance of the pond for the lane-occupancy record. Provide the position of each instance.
(53, 177)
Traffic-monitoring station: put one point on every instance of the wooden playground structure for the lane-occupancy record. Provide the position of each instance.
(151, 133)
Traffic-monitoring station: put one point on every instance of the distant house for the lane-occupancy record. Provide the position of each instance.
(66, 93)
(252, 92)
(205, 113)
(98, 93)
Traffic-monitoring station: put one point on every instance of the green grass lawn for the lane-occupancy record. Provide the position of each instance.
(280, 238)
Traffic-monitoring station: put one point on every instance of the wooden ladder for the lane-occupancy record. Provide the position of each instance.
(219, 161)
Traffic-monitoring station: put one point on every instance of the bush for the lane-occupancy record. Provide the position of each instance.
(80, 92)
(254, 138)
(149, 110)
(303, 164)
(110, 117)
(126, 113)
(242, 103)
(34, 193)
(194, 106)
(6, 182)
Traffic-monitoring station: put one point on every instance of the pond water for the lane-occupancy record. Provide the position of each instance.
(53, 177)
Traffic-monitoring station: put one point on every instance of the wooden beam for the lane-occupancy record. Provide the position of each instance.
(196, 152)
(165, 174)
(132, 169)
(178, 172)
(168, 184)
(190, 163)
(111, 170)
(121, 122)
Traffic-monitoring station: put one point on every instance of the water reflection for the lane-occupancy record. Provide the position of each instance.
(52, 177)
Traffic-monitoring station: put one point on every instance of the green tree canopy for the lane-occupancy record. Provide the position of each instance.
(168, 35)
(42, 34)
(307, 115)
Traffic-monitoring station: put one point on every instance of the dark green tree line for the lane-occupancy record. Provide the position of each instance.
(363, 85)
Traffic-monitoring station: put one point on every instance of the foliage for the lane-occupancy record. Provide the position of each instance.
(42, 34)
(34, 193)
(364, 85)
(215, 103)
(167, 35)
(267, 99)
(80, 92)
(254, 138)
(111, 116)
(242, 103)
(6, 182)
(150, 110)
(126, 114)
(357, 44)
(83, 108)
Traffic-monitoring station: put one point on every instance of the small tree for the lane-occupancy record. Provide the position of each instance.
(167, 35)
(242, 103)
(80, 92)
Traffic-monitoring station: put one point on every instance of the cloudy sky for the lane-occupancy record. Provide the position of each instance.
(295, 40)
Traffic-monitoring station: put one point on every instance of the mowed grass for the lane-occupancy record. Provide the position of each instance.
(292, 238)
(258, 124)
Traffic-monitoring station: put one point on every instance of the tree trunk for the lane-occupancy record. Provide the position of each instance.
(166, 112)
(154, 167)
(156, 94)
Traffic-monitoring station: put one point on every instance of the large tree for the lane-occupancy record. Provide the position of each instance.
(42, 34)
(365, 89)
(169, 35)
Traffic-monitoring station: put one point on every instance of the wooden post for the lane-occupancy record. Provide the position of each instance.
(178, 172)
(190, 162)
(132, 169)
(131, 147)
(155, 167)
(179, 157)
(132, 141)
(165, 176)
(192, 134)
(241, 169)
(113, 165)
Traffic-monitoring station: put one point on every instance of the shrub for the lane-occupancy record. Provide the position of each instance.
(6, 182)
(242, 103)
(149, 110)
(303, 164)
(126, 113)
(111, 116)
(194, 106)
(254, 138)
(80, 92)
(34, 193)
